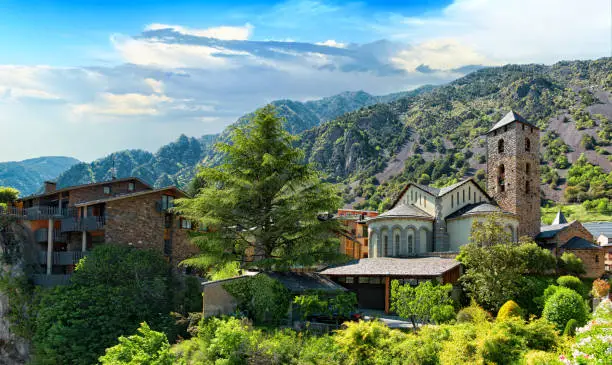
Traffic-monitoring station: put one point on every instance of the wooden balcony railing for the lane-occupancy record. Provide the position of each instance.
(41, 235)
(38, 212)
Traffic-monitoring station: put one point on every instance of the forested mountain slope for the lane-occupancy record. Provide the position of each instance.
(28, 175)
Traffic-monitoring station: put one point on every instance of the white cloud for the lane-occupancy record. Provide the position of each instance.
(123, 105)
(439, 54)
(241, 33)
(332, 43)
(156, 85)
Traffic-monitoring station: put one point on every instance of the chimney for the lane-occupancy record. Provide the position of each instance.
(50, 186)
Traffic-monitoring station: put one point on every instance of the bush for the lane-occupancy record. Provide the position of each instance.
(263, 298)
(571, 264)
(571, 282)
(570, 328)
(508, 310)
(532, 288)
(601, 288)
(473, 314)
(564, 305)
(538, 357)
(146, 347)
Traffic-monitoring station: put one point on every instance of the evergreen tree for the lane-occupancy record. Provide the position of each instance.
(262, 203)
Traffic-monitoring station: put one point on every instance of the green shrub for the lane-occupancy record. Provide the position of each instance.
(570, 328)
(233, 341)
(501, 348)
(564, 305)
(473, 314)
(571, 264)
(145, 347)
(538, 357)
(508, 310)
(533, 287)
(571, 282)
(442, 314)
(265, 299)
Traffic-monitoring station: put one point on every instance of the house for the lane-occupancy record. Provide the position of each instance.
(563, 236)
(354, 241)
(419, 236)
(67, 223)
(218, 301)
(602, 231)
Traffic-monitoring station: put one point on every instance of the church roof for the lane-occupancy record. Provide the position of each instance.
(559, 218)
(404, 211)
(438, 192)
(579, 243)
(474, 209)
(390, 266)
(512, 116)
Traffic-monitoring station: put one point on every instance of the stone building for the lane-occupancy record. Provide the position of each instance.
(602, 231)
(67, 223)
(354, 240)
(563, 236)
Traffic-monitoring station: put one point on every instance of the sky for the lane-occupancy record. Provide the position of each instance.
(84, 80)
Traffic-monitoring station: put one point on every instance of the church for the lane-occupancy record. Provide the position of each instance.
(419, 236)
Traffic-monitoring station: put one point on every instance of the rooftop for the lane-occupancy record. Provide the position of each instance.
(509, 118)
(559, 218)
(578, 243)
(551, 230)
(129, 195)
(404, 210)
(599, 228)
(68, 188)
(438, 192)
(299, 282)
(477, 208)
(390, 266)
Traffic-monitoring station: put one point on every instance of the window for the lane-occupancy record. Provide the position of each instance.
(410, 249)
(505, 128)
(452, 201)
(527, 168)
(364, 231)
(527, 144)
(185, 223)
(500, 146)
(167, 247)
(107, 190)
(131, 186)
(531, 129)
(501, 176)
(474, 197)
(457, 198)
(386, 245)
(469, 191)
(527, 186)
(397, 244)
(523, 126)
(167, 202)
(349, 279)
(596, 258)
(364, 280)
(463, 193)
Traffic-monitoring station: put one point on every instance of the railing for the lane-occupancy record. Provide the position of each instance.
(74, 224)
(50, 280)
(41, 235)
(62, 258)
(38, 212)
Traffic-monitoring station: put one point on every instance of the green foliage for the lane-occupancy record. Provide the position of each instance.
(8, 194)
(114, 289)
(360, 341)
(343, 304)
(424, 303)
(508, 310)
(263, 298)
(539, 357)
(531, 294)
(21, 304)
(310, 304)
(473, 314)
(587, 181)
(570, 328)
(229, 270)
(571, 264)
(563, 305)
(571, 282)
(263, 202)
(592, 343)
(146, 347)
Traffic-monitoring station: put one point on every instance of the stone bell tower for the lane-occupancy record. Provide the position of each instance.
(513, 170)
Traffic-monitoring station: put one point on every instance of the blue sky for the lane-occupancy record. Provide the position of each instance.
(87, 79)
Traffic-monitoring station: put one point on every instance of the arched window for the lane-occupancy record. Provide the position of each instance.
(527, 168)
(501, 178)
(410, 248)
(527, 186)
(397, 244)
(527, 144)
(500, 146)
(386, 246)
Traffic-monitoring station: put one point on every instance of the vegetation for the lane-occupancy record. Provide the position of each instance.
(571, 264)
(264, 299)
(425, 303)
(577, 212)
(145, 347)
(563, 305)
(255, 198)
(587, 182)
(509, 310)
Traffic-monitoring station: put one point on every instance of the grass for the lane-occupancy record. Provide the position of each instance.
(573, 212)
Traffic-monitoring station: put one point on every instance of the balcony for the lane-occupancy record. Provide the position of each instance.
(62, 258)
(39, 212)
(48, 281)
(74, 224)
(41, 235)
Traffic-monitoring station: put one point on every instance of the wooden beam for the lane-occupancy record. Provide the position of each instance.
(387, 294)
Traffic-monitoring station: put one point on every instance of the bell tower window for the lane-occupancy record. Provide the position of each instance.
(501, 178)
(500, 146)
(527, 168)
(527, 186)
(527, 144)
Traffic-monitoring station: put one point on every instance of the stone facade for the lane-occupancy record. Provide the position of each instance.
(400, 237)
(593, 261)
(513, 173)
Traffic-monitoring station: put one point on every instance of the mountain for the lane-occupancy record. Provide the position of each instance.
(372, 146)
(28, 175)
(175, 162)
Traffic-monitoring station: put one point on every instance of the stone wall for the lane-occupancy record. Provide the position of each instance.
(594, 261)
(520, 193)
(94, 192)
